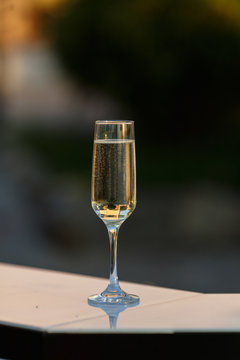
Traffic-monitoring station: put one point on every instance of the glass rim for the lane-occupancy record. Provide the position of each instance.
(114, 122)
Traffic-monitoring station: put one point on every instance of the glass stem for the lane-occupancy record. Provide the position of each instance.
(113, 235)
(113, 321)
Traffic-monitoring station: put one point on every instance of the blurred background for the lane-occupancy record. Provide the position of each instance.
(173, 67)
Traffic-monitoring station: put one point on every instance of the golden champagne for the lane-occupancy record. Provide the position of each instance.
(114, 179)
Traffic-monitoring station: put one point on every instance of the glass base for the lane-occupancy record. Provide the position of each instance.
(114, 298)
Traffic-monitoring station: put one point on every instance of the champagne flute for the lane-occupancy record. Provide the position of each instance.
(113, 193)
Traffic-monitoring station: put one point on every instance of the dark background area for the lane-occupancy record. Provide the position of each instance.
(172, 67)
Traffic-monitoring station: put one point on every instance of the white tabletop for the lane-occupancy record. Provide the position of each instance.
(56, 302)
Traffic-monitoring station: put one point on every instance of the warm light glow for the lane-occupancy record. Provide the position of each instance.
(229, 11)
(48, 4)
(21, 20)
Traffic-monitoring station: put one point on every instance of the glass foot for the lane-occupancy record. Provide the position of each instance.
(114, 298)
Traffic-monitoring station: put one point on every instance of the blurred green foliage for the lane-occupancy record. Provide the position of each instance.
(70, 154)
(174, 64)
(60, 152)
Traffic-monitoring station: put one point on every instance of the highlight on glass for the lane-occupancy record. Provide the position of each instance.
(113, 193)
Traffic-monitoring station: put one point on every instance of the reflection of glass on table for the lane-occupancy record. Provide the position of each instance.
(112, 311)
